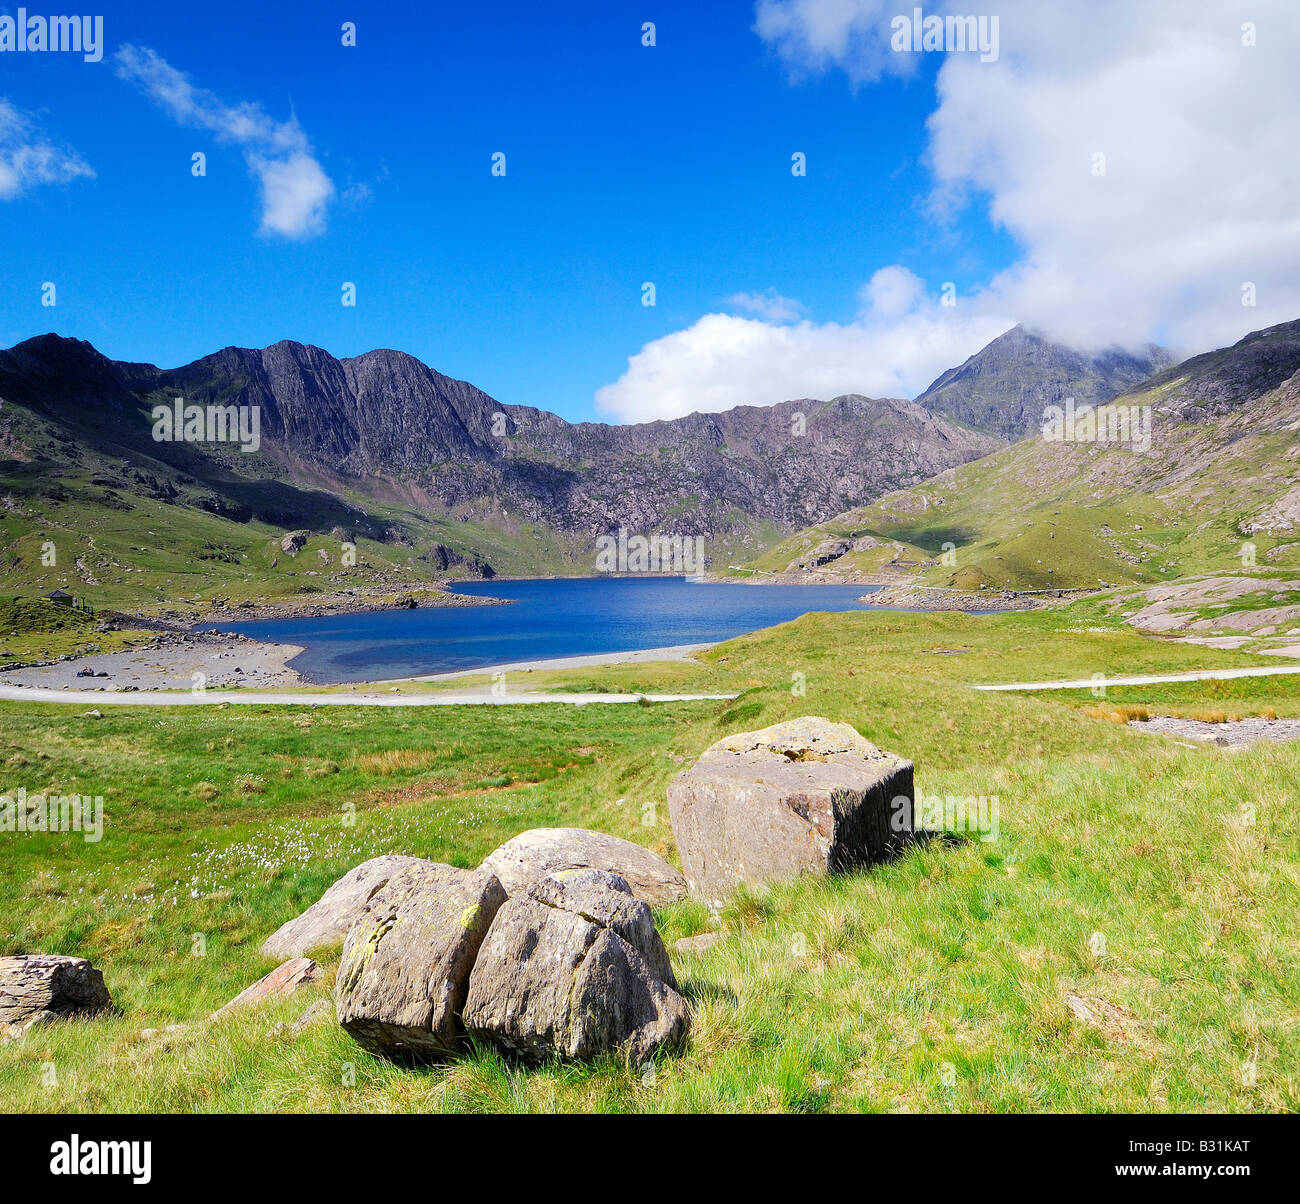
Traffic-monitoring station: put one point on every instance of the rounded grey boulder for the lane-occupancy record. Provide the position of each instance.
(532, 855)
(326, 922)
(574, 968)
(406, 963)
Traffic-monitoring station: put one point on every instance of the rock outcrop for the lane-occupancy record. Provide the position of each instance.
(39, 987)
(294, 542)
(539, 852)
(326, 922)
(406, 963)
(806, 796)
(574, 968)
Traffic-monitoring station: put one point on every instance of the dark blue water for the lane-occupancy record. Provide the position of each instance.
(573, 617)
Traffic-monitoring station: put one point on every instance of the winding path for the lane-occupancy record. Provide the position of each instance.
(1086, 683)
(450, 698)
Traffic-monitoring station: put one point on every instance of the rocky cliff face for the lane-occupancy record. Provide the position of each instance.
(1004, 388)
(1220, 382)
(386, 425)
(386, 419)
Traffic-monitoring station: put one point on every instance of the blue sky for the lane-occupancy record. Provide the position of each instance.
(670, 164)
(625, 164)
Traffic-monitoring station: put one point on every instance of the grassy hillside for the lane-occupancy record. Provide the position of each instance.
(32, 629)
(127, 532)
(1220, 473)
(1123, 872)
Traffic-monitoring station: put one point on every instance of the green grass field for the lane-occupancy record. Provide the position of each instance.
(1127, 869)
(1043, 515)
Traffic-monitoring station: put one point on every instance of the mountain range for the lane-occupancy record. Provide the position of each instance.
(429, 475)
(1217, 490)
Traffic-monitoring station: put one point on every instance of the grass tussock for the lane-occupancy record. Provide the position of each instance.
(396, 760)
(1124, 713)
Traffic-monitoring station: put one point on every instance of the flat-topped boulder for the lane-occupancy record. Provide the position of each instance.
(574, 968)
(540, 852)
(406, 963)
(40, 987)
(805, 796)
(326, 922)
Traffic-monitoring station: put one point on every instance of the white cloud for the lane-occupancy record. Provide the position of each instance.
(28, 159)
(1198, 198)
(892, 291)
(294, 190)
(1198, 133)
(357, 196)
(769, 305)
(895, 347)
(812, 35)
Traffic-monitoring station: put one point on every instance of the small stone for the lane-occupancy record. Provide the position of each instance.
(283, 980)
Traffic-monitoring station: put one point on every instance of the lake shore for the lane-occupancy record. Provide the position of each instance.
(268, 653)
(639, 656)
(349, 602)
(240, 663)
(168, 663)
(933, 598)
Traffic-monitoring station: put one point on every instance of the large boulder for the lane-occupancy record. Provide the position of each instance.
(36, 987)
(326, 922)
(574, 968)
(406, 962)
(533, 855)
(806, 796)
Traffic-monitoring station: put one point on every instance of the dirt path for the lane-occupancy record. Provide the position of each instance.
(449, 698)
(1087, 683)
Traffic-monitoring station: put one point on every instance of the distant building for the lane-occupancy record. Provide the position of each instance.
(60, 598)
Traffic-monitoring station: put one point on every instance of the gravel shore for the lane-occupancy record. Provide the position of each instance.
(1235, 733)
(350, 603)
(169, 663)
(901, 597)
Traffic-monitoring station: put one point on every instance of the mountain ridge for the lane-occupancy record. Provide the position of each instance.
(1004, 387)
(428, 472)
(1222, 472)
